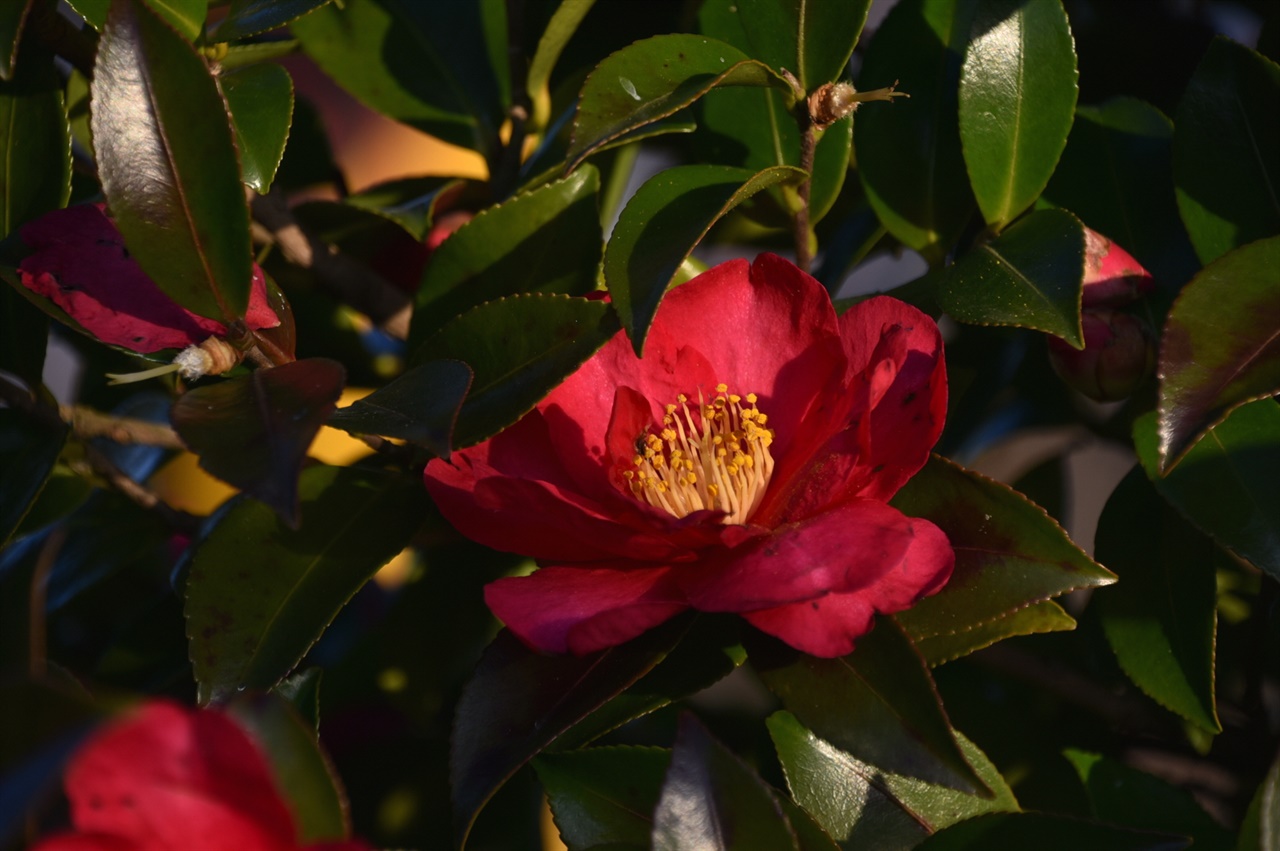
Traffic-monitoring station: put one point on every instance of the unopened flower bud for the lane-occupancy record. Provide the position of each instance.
(1112, 278)
(1118, 354)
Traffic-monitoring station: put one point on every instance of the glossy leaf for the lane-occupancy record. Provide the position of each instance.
(1226, 150)
(813, 40)
(28, 452)
(603, 796)
(1160, 619)
(546, 241)
(253, 431)
(420, 406)
(250, 17)
(653, 79)
(185, 16)
(878, 703)
(563, 24)
(1226, 483)
(259, 594)
(1029, 276)
(299, 767)
(862, 806)
(517, 702)
(1045, 616)
(168, 164)
(260, 99)
(1221, 345)
(909, 158)
(1017, 101)
(420, 63)
(35, 141)
(12, 18)
(409, 202)
(1045, 832)
(1116, 175)
(711, 801)
(660, 226)
(519, 349)
(1009, 553)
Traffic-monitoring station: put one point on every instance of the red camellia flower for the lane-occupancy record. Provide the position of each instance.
(169, 778)
(743, 465)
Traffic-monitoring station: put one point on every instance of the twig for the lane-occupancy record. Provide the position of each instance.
(37, 602)
(808, 144)
(87, 423)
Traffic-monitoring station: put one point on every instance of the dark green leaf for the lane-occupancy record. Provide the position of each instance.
(409, 202)
(563, 24)
(35, 142)
(300, 769)
(909, 156)
(1226, 484)
(259, 594)
(157, 115)
(185, 16)
(12, 17)
(1017, 101)
(250, 17)
(1029, 276)
(1009, 553)
(1160, 619)
(603, 796)
(1261, 827)
(1045, 832)
(518, 702)
(1226, 150)
(813, 40)
(420, 406)
(302, 690)
(421, 63)
(653, 79)
(28, 451)
(660, 226)
(1221, 345)
(242, 55)
(546, 241)
(260, 98)
(872, 808)
(1127, 797)
(878, 703)
(711, 801)
(519, 349)
(24, 335)
(1116, 175)
(253, 431)
(1045, 616)
(64, 491)
(93, 11)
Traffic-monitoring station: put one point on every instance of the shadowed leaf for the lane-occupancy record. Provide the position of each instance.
(420, 406)
(260, 98)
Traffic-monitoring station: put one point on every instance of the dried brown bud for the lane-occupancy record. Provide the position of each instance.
(832, 101)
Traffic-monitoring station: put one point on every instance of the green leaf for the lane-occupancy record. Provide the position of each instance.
(64, 491)
(253, 431)
(1221, 345)
(12, 17)
(813, 40)
(1045, 832)
(1127, 797)
(421, 63)
(256, 52)
(259, 594)
(93, 11)
(1226, 150)
(909, 156)
(1226, 483)
(420, 406)
(1161, 618)
(185, 16)
(1009, 553)
(546, 241)
(1045, 616)
(24, 334)
(1029, 276)
(875, 809)
(1261, 827)
(302, 690)
(250, 17)
(711, 801)
(157, 112)
(28, 452)
(563, 24)
(653, 79)
(299, 767)
(260, 99)
(409, 202)
(1116, 175)
(660, 226)
(878, 703)
(518, 702)
(35, 142)
(1017, 100)
(603, 796)
(519, 349)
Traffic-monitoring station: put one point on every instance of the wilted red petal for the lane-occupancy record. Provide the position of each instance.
(583, 609)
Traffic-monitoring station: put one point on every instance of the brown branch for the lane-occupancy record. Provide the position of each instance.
(87, 423)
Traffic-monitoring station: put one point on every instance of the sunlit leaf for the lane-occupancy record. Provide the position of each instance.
(35, 141)
(603, 796)
(563, 24)
(1045, 616)
(250, 17)
(812, 40)
(260, 99)
(12, 18)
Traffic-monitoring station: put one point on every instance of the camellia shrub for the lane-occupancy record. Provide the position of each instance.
(673, 522)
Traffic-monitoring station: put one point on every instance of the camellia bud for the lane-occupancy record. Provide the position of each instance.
(1112, 278)
(1118, 354)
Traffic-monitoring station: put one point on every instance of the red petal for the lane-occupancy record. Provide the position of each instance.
(168, 778)
(830, 626)
(581, 609)
(85, 842)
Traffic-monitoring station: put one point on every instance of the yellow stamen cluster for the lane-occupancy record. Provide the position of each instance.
(718, 460)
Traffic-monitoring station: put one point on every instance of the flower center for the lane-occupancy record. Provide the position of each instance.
(716, 458)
